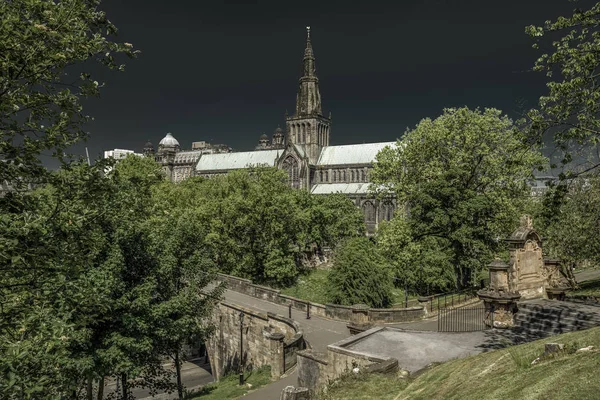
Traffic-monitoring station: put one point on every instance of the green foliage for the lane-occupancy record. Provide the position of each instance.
(570, 109)
(424, 266)
(40, 108)
(313, 285)
(260, 228)
(105, 286)
(463, 177)
(360, 275)
(229, 387)
(573, 232)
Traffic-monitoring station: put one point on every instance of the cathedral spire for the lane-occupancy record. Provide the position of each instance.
(309, 98)
(309, 58)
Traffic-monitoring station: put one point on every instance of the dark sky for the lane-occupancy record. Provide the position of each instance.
(226, 71)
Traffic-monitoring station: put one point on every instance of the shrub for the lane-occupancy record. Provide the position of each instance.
(360, 275)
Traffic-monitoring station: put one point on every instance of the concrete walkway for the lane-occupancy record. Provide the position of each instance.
(587, 275)
(318, 332)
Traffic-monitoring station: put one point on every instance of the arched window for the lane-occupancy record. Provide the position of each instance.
(334, 175)
(387, 209)
(369, 211)
(351, 175)
(290, 164)
(362, 176)
(321, 176)
(326, 176)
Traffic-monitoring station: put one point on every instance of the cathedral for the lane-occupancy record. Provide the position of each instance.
(303, 151)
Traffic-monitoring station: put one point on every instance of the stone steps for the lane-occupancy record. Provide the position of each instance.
(541, 318)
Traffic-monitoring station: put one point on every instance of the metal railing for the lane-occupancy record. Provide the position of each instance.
(464, 319)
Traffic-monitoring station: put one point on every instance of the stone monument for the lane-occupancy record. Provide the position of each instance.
(499, 300)
(526, 276)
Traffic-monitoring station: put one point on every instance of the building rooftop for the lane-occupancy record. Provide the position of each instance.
(228, 161)
(352, 153)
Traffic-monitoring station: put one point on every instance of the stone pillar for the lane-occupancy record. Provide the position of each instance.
(276, 353)
(500, 302)
(360, 321)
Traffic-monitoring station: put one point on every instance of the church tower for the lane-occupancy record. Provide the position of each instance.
(308, 127)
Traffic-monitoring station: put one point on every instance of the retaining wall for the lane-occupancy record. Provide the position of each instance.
(332, 311)
(267, 338)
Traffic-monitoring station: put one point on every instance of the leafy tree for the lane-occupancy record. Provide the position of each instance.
(49, 238)
(360, 275)
(573, 232)
(261, 228)
(423, 265)
(327, 220)
(463, 177)
(185, 269)
(40, 109)
(571, 108)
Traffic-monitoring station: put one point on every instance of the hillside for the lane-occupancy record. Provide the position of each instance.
(502, 374)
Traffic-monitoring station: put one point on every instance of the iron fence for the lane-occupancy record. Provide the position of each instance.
(464, 319)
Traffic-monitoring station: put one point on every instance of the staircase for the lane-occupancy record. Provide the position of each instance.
(541, 318)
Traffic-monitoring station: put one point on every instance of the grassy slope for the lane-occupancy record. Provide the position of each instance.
(229, 388)
(502, 374)
(311, 286)
(588, 288)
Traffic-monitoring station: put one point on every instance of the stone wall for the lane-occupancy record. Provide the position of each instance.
(316, 370)
(268, 339)
(332, 311)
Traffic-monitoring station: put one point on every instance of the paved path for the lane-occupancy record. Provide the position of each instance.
(194, 373)
(318, 332)
(587, 275)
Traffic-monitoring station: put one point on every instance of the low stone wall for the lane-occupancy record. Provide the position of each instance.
(316, 370)
(266, 338)
(332, 311)
(389, 315)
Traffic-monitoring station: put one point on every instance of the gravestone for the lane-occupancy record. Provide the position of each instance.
(526, 261)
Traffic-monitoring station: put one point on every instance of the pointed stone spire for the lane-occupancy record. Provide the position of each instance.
(309, 98)
(309, 58)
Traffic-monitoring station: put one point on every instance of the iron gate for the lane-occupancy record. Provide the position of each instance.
(464, 319)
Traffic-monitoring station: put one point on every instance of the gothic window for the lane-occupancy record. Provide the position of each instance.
(321, 176)
(290, 164)
(344, 175)
(326, 176)
(388, 210)
(334, 175)
(303, 133)
(352, 176)
(362, 176)
(369, 211)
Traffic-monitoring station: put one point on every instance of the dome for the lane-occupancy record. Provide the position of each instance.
(148, 144)
(264, 137)
(278, 132)
(169, 140)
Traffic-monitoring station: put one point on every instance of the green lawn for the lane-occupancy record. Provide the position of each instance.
(588, 288)
(502, 374)
(312, 286)
(229, 388)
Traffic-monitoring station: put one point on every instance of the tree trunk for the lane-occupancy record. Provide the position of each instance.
(124, 385)
(178, 369)
(90, 389)
(567, 272)
(101, 389)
